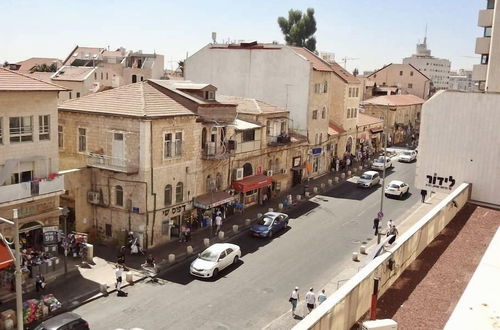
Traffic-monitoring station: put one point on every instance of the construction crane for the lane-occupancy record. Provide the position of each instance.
(345, 59)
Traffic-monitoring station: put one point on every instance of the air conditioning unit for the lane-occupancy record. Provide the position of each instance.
(269, 172)
(284, 171)
(385, 324)
(210, 148)
(231, 144)
(93, 197)
(238, 174)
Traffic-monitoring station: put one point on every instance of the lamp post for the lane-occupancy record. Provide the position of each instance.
(386, 119)
(65, 212)
(19, 288)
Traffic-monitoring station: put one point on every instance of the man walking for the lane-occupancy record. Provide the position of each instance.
(390, 223)
(310, 299)
(218, 223)
(376, 222)
(321, 297)
(209, 225)
(423, 192)
(118, 285)
(294, 298)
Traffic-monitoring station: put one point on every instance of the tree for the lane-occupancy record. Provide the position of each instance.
(299, 28)
(45, 68)
(181, 67)
(355, 72)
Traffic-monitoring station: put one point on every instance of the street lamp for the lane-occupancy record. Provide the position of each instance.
(382, 192)
(65, 212)
(19, 289)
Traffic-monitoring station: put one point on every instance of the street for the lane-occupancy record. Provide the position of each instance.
(323, 234)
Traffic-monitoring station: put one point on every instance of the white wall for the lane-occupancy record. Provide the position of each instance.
(262, 74)
(460, 137)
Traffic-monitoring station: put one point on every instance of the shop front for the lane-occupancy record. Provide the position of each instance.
(297, 169)
(251, 189)
(208, 203)
(376, 138)
(174, 217)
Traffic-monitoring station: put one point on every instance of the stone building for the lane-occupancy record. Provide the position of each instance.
(29, 160)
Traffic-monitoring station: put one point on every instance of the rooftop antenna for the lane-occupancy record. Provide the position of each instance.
(425, 37)
(214, 37)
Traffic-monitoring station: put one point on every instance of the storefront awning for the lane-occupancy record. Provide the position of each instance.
(6, 257)
(252, 182)
(212, 199)
(376, 130)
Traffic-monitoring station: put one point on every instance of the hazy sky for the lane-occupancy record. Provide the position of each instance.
(376, 32)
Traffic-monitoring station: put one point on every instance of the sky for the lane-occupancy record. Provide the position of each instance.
(372, 32)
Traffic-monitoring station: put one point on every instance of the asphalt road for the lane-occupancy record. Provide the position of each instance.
(254, 292)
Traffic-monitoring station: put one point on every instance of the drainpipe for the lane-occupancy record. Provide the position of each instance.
(152, 189)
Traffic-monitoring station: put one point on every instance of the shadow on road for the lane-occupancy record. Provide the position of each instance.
(301, 209)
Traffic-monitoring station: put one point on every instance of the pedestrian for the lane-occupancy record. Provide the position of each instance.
(337, 165)
(218, 224)
(376, 222)
(118, 275)
(183, 233)
(390, 223)
(321, 297)
(394, 232)
(264, 199)
(294, 298)
(121, 255)
(40, 283)
(423, 192)
(210, 224)
(310, 299)
(348, 162)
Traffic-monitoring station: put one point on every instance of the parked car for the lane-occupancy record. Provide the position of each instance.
(369, 179)
(64, 321)
(214, 259)
(397, 188)
(407, 156)
(378, 164)
(269, 224)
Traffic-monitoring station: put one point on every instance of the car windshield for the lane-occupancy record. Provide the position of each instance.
(380, 160)
(209, 255)
(407, 153)
(366, 176)
(265, 221)
(394, 185)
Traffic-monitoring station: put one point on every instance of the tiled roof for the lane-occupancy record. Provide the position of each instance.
(44, 76)
(15, 81)
(317, 63)
(250, 106)
(73, 73)
(296, 137)
(141, 99)
(30, 63)
(388, 65)
(365, 120)
(335, 128)
(344, 74)
(79, 51)
(395, 100)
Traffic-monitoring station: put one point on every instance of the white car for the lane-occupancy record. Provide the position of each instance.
(214, 259)
(396, 188)
(378, 164)
(368, 179)
(407, 156)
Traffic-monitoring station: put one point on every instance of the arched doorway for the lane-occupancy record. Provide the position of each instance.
(31, 235)
(247, 169)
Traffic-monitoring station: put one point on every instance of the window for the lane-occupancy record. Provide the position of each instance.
(70, 96)
(60, 136)
(248, 135)
(21, 129)
(102, 77)
(179, 192)
(348, 112)
(209, 95)
(410, 85)
(134, 78)
(1, 132)
(172, 144)
(107, 77)
(320, 137)
(355, 110)
(25, 176)
(164, 227)
(323, 113)
(484, 59)
(167, 198)
(350, 92)
(218, 181)
(315, 114)
(82, 139)
(119, 196)
(108, 230)
(167, 145)
(178, 143)
(77, 94)
(487, 31)
(44, 127)
(95, 75)
(490, 4)
(400, 73)
(317, 88)
(411, 73)
(325, 87)
(357, 92)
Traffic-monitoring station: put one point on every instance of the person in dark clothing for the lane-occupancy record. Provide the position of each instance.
(423, 192)
(376, 222)
(39, 283)
(121, 255)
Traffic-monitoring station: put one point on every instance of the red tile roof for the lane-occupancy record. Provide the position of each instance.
(365, 120)
(73, 73)
(251, 106)
(344, 74)
(30, 63)
(395, 100)
(334, 128)
(317, 63)
(15, 81)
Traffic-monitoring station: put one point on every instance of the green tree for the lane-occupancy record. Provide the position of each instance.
(181, 67)
(299, 28)
(355, 72)
(45, 68)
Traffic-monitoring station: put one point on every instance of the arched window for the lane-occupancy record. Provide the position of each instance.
(210, 183)
(247, 169)
(119, 195)
(348, 146)
(168, 195)
(323, 113)
(179, 192)
(270, 166)
(218, 181)
(320, 137)
(134, 78)
(203, 137)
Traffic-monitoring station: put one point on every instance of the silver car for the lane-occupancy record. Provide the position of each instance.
(368, 179)
(407, 156)
(378, 164)
(64, 321)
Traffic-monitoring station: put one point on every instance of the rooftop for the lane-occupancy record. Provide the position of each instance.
(317, 62)
(31, 63)
(344, 74)
(334, 128)
(73, 73)
(366, 120)
(15, 81)
(395, 100)
(251, 106)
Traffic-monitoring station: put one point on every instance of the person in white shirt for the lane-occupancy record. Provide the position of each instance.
(218, 223)
(294, 298)
(390, 223)
(310, 299)
(119, 274)
(321, 297)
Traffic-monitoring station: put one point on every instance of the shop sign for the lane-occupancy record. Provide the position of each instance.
(296, 161)
(175, 210)
(50, 235)
(32, 209)
(435, 181)
(316, 151)
(135, 210)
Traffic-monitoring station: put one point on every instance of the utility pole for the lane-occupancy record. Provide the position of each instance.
(382, 192)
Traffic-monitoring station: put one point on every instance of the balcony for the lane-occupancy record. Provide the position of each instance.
(479, 72)
(18, 191)
(212, 150)
(112, 163)
(274, 141)
(485, 18)
(483, 45)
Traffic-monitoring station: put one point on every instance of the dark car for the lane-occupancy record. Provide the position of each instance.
(269, 224)
(64, 321)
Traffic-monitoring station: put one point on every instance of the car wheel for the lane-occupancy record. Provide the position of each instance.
(270, 234)
(235, 260)
(286, 224)
(215, 272)
(401, 196)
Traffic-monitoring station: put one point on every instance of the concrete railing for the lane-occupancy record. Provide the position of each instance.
(351, 301)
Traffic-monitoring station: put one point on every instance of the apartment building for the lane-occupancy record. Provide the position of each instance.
(461, 80)
(437, 69)
(487, 74)
(29, 160)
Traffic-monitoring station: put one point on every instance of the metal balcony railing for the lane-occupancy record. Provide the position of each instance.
(278, 140)
(212, 150)
(112, 163)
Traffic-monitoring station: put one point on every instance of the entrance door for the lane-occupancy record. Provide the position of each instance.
(118, 150)
(297, 177)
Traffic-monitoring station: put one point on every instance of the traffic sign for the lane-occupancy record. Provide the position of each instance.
(380, 214)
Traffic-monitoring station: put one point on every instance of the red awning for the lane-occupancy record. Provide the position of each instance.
(252, 182)
(6, 258)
